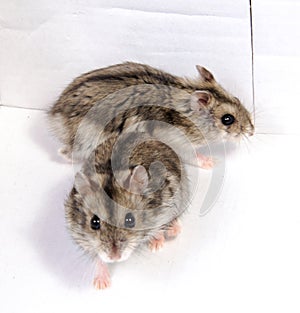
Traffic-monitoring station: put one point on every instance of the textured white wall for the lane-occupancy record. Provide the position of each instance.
(276, 26)
(45, 44)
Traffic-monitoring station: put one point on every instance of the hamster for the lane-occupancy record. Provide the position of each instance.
(215, 107)
(116, 208)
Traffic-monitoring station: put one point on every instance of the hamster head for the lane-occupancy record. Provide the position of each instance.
(89, 208)
(227, 112)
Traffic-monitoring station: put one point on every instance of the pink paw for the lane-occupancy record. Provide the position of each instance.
(102, 278)
(174, 230)
(101, 283)
(205, 162)
(157, 243)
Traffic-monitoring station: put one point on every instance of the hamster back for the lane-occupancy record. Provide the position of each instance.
(226, 111)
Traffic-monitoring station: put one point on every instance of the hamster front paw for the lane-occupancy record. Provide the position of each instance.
(101, 282)
(173, 230)
(102, 277)
(205, 162)
(157, 242)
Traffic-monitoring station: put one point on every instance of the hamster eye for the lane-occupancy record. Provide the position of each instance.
(227, 119)
(95, 222)
(129, 220)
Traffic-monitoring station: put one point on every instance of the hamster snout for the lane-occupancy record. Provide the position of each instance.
(116, 244)
(116, 251)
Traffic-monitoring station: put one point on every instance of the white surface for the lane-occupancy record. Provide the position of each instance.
(243, 256)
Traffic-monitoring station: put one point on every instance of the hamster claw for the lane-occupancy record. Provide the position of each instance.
(157, 243)
(100, 283)
(102, 278)
(205, 162)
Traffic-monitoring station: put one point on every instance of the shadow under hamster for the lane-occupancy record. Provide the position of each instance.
(52, 242)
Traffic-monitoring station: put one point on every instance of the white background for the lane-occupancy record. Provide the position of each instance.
(243, 256)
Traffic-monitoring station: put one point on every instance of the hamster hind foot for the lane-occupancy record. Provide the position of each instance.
(102, 276)
(68, 155)
(65, 153)
(205, 162)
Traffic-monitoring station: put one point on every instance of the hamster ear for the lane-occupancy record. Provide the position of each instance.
(84, 184)
(138, 180)
(201, 98)
(205, 74)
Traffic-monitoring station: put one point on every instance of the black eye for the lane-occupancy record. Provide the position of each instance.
(129, 220)
(95, 222)
(227, 119)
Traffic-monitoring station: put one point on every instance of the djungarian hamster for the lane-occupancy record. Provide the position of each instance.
(115, 208)
(220, 114)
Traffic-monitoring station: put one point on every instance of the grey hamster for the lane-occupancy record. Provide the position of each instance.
(114, 88)
(120, 205)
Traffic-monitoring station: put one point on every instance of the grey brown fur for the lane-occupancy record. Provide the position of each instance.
(97, 192)
(97, 88)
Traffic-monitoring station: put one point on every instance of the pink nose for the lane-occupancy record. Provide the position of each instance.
(115, 253)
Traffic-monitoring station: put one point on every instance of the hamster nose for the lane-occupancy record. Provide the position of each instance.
(115, 253)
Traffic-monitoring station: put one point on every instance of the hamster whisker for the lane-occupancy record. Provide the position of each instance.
(141, 252)
(275, 134)
(246, 142)
(82, 260)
